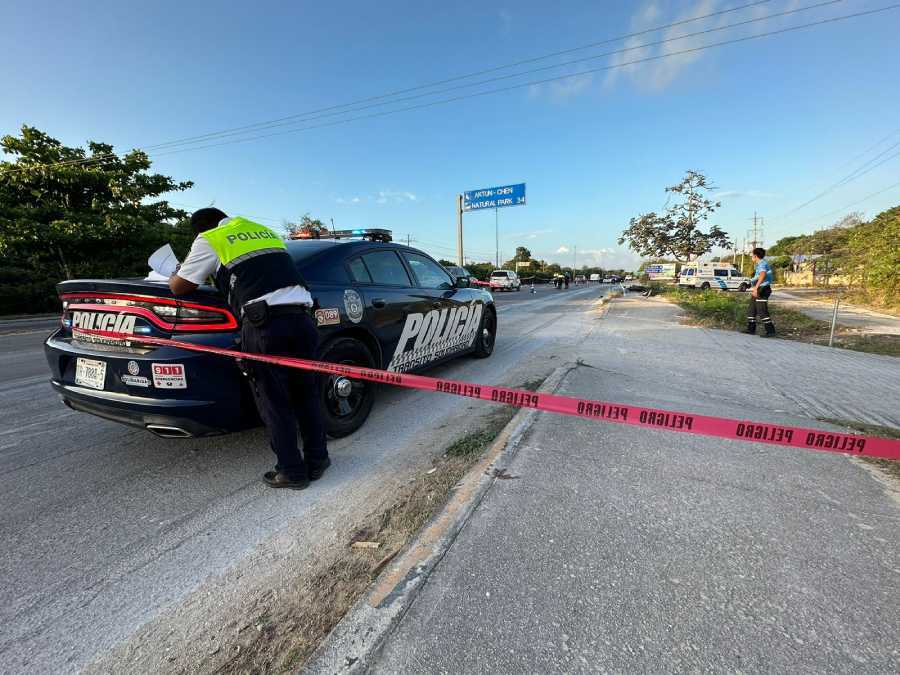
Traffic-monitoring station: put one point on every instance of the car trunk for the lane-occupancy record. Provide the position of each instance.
(138, 307)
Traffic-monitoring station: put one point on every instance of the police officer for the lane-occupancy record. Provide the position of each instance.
(252, 268)
(760, 292)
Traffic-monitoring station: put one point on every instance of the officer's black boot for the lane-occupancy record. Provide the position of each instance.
(751, 328)
(770, 330)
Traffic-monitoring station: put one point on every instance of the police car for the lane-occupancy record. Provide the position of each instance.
(718, 275)
(377, 304)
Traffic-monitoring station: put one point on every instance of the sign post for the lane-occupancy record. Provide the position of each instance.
(459, 241)
(487, 198)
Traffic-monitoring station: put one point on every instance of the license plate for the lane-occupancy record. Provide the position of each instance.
(90, 373)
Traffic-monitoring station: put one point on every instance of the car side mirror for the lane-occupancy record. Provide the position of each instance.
(462, 282)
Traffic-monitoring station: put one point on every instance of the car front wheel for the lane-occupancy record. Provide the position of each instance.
(345, 403)
(704, 286)
(742, 288)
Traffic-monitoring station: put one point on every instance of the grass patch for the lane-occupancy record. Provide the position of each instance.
(286, 633)
(889, 466)
(716, 309)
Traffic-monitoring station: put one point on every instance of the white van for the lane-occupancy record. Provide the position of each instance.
(720, 275)
(505, 280)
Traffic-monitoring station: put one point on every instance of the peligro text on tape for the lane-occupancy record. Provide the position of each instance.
(619, 413)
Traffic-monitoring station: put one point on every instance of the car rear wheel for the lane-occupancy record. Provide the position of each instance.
(346, 403)
(487, 335)
(704, 286)
(743, 288)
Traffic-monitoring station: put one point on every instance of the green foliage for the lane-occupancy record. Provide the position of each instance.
(874, 255)
(867, 252)
(676, 233)
(62, 217)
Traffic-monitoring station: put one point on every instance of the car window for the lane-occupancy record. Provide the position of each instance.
(720, 273)
(498, 274)
(428, 273)
(359, 272)
(386, 269)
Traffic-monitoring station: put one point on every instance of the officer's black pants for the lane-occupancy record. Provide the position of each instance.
(759, 307)
(286, 396)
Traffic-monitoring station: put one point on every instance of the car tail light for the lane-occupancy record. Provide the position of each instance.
(166, 313)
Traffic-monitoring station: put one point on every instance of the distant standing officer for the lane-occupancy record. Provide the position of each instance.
(762, 289)
(252, 268)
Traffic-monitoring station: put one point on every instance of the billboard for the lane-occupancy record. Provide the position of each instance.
(661, 271)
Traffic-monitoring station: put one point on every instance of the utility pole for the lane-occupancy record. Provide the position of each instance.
(574, 258)
(459, 235)
(497, 234)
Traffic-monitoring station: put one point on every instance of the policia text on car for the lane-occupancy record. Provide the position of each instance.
(251, 267)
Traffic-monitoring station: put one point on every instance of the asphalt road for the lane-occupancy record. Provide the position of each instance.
(617, 549)
(822, 308)
(122, 546)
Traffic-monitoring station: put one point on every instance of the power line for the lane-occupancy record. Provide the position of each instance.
(261, 126)
(858, 201)
(354, 107)
(457, 78)
(548, 80)
(858, 172)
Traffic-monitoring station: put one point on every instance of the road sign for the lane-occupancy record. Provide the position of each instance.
(663, 271)
(494, 198)
(520, 265)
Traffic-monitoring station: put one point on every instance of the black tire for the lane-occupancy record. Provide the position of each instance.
(344, 415)
(743, 288)
(487, 334)
(704, 286)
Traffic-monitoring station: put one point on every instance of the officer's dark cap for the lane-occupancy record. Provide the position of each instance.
(206, 219)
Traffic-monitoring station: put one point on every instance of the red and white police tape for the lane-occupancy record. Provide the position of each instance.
(620, 413)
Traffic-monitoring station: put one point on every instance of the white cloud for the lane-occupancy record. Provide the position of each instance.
(657, 74)
(562, 249)
(561, 91)
(381, 197)
(532, 234)
(395, 197)
(738, 194)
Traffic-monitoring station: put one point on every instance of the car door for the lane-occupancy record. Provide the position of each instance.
(387, 295)
(443, 330)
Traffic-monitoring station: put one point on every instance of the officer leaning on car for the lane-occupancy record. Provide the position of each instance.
(251, 267)
(760, 292)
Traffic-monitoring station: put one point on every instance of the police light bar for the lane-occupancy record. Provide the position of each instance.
(372, 234)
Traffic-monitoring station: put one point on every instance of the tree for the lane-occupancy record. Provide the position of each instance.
(307, 228)
(677, 233)
(874, 256)
(69, 212)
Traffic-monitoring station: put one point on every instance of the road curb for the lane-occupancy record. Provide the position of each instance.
(353, 644)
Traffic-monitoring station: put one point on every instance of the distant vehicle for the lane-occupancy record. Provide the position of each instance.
(720, 275)
(595, 277)
(505, 280)
(608, 280)
(629, 278)
(579, 279)
(458, 272)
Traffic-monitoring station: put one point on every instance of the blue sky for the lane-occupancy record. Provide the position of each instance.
(772, 121)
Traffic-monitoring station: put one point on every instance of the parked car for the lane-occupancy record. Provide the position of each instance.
(723, 276)
(377, 304)
(505, 280)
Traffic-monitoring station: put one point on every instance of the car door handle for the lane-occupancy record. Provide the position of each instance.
(378, 303)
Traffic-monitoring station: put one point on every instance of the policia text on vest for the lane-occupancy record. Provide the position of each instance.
(252, 267)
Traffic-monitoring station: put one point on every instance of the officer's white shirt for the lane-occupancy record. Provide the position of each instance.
(202, 262)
